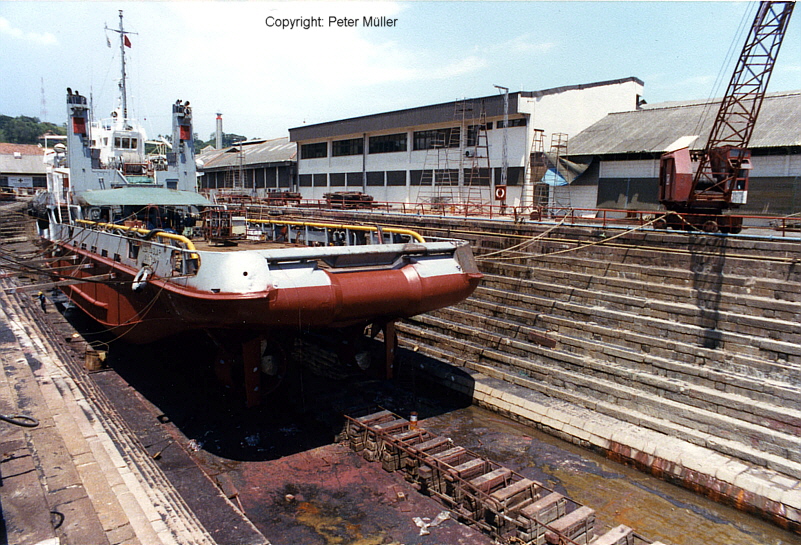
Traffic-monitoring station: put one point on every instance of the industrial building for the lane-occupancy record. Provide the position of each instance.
(611, 138)
(254, 167)
(22, 166)
(453, 150)
(623, 151)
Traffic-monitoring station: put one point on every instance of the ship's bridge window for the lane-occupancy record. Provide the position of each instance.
(124, 142)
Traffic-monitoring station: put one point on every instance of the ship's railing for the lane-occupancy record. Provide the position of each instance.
(787, 226)
(188, 244)
(183, 259)
(330, 233)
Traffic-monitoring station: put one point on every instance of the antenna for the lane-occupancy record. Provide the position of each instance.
(43, 111)
(124, 42)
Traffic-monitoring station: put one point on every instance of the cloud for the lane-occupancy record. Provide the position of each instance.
(525, 44)
(35, 37)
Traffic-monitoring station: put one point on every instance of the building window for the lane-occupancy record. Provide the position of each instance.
(514, 175)
(337, 179)
(305, 180)
(437, 138)
(314, 151)
(446, 176)
(477, 177)
(284, 177)
(353, 146)
(420, 177)
(354, 179)
(521, 122)
(320, 180)
(269, 178)
(375, 178)
(388, 143)
(396, 177)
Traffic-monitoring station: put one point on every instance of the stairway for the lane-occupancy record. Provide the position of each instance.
(702, 348)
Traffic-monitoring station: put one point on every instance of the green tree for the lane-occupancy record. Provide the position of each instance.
(26, 130)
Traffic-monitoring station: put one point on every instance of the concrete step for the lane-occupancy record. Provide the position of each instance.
(604, 345)
(720, 413)
(589, 271)
(465, 346)
(638, 292)
(602, 406)
(706, 264)
(710, 318)
(689, 357)
(737, 343)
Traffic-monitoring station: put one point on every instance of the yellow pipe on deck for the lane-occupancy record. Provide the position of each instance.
(172, 236)
(396, 230)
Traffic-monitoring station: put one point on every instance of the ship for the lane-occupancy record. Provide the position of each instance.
(131, 241)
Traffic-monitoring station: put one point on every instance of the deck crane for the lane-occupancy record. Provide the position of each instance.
(720, 182)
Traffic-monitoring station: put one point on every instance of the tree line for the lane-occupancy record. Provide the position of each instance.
(26, 130)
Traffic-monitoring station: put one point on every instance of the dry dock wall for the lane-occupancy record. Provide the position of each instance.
(678, 353)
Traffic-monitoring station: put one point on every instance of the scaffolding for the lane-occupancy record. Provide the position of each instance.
(537, 167)
(456, 171)
(560, 196)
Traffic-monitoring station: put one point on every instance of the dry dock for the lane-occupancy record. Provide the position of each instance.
(152, 450)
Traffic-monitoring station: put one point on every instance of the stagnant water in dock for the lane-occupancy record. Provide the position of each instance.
(619, 494)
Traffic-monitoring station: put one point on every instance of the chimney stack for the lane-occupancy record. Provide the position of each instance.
(218, 141)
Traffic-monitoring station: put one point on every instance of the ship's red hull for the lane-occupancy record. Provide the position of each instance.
(163, 307)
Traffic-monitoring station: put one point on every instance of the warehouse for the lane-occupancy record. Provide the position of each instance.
(459, 146)
(22, 166)
(623, 151)
(255, 167)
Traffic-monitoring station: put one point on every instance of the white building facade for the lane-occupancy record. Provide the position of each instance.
(453, 150)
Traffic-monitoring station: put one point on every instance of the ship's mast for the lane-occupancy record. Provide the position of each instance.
(123, 90)
(123, 79)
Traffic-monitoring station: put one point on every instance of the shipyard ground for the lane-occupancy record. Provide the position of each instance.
(153, 450)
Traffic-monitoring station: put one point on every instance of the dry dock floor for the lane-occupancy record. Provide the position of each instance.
(154, 451)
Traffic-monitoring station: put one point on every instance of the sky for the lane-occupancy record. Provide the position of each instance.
(235, 58)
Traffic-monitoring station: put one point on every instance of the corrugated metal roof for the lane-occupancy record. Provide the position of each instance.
(434, 113)
(653, 128)
(142, 196)
(17, 159)
(256, 152)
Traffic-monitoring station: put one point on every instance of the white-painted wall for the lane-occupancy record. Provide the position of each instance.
(569, 112)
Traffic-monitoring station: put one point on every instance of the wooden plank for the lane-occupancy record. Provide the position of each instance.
(390, 426)
(502, 495)
(432, 443)
(619, 535)
(470, 468)
(373, 417)
(491, 480)
(450, 455)
(578, 525)
(545, 509)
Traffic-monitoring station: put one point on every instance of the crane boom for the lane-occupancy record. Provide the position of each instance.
(721, 178)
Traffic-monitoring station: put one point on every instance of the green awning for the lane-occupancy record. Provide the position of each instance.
(141, 196)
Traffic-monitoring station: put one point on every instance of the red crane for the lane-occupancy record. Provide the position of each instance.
(720, 181)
